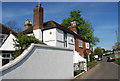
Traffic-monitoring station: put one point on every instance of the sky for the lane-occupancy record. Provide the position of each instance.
(102, 15)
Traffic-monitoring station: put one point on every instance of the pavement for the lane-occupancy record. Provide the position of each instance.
(104, 70)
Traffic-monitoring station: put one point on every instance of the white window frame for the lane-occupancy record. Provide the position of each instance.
(5, 54)
(80, 43)
(87, 45)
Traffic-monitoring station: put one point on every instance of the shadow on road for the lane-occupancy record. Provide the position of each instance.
(96, 80)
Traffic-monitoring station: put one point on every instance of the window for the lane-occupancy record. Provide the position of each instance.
(87, 45)
(2, 37)
(72, 40)
(80, 43)
(6, 55)
(65, 39)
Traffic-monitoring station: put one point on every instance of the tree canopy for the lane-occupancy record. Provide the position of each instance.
(98, 51)
(85, 28)
(13, 25)
(23, 41)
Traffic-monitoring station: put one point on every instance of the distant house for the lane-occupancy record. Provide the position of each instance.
(52, 34)
(6, 46)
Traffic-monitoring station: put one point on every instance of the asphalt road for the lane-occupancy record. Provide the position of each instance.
(104, 70)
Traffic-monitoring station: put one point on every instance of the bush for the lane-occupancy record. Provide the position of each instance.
(23, 42)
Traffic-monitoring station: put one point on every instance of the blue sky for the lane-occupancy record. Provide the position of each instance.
(102, 15)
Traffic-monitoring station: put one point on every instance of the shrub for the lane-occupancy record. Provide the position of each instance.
(23, 42)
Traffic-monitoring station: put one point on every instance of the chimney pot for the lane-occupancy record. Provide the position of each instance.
(28, 24)
(73, 23)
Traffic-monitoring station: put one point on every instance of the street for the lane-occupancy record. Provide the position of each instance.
(104, 70)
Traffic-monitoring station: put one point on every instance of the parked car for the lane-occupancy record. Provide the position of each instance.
(110, 59)
(99, 59)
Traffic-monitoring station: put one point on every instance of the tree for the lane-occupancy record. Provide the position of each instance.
(92, 57)
(116, 46)
(23, 42)
(13, 25)
(103, 50)
(85, 28)
(98, 51)
(86, 55)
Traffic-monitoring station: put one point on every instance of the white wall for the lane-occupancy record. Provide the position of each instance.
(77, 58)
(49, 37)
(59, 35)
(38, 34)
(31, 34)
(71, 44)
(56, 38)
(59, 38)
(41, 62)
(8, 44)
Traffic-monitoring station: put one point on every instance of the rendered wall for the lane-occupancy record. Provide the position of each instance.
(38, 34)
(55, 37)
(71, 43)
(59, 38)
(49, 37)
(41, 62)
(8, 44)
(59, 35)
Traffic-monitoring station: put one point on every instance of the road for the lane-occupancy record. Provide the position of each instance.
(104, 70)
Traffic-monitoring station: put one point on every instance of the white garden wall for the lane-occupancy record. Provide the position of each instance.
(40, 62)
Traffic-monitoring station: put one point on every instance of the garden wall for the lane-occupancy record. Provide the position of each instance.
(40, 62)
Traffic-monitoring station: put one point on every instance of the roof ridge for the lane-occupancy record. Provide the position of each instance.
(8, 28)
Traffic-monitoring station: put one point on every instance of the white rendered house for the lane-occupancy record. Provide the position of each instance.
(50, 33)
(6, 46)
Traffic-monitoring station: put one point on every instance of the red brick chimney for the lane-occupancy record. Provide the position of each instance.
(38, 17)
(73, 27)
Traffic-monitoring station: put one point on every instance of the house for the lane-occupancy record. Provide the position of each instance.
(52, 34)
(6, 46)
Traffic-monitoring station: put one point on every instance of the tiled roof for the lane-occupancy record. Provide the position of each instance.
(27, 31)
(6, 30)
(52, 24)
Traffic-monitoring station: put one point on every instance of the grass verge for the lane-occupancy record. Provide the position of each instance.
(111, 55)
(117, 61)
(91, 64)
